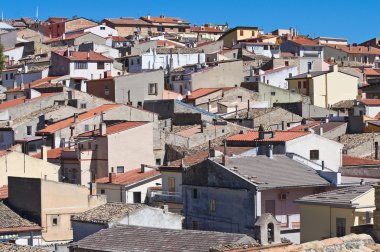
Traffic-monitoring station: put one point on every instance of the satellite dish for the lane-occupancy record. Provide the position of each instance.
(179, 97)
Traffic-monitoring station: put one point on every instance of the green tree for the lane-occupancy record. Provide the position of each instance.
(2, 59)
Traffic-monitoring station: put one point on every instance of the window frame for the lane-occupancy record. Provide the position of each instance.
(314, 154)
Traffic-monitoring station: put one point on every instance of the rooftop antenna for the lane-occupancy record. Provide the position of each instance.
(37, 14)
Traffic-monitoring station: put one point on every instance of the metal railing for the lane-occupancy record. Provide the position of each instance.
(166, 196)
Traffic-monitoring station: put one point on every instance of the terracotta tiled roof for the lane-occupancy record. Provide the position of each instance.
(163, 43)
(370, 102)
(280, 136)
(3, 192)
(304, 41)
(202, 92)
(22, 100)
(126, 21)
(33, 84)
(69, 121)
(165, 20)
(11, 222)
(205, 30)
(84, 56)
(67, 37)
(356, 49)
(357, 161)
(112, 129)
(51, 154)
(130, 177)
(303, 126)
(368, 71)
(119, 39)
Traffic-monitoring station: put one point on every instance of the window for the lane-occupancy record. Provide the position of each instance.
(266, 47)
(29, 130)
(120, 169)
(55, 220)
(83, 105)
(102, 28)
(308, 65)
(100, 65)
(102, 191)
(299, 85)
(171, 184)
(181, 29)
(138, 61)
(212, 205)
(304, 84)
(195, 193)
(234, 55)
(253, 33)
(136, 197)
(86, 127)
(12, 76)
(340, 227)
(158, 161)
(286, 63)
(152, 89)
(195, 225)
(80, 65)
(89, 145)
(131, 62)
(106, 91)
(290, 75)
(6, 76)
(314, 154)
(15, 97)
(241, 33)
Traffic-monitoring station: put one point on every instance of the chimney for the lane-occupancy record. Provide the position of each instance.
(377, 150)
(261, 132)
(270, 151)
(75, 117)
(334, 68)
(321, 131)
(88, 55)
(142, 168)
(283, 125)
(92, 189)
(44, 153)
(148, 17)
(103, 129)
(63, 36)
(112, 177)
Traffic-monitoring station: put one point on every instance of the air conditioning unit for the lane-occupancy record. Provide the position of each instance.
(283, 196)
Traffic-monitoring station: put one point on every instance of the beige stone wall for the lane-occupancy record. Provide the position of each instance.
(78, 24)
(16, 164)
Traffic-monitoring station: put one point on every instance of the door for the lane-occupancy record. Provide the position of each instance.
(171, 185)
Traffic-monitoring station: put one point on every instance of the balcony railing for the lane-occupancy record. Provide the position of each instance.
(165, 196)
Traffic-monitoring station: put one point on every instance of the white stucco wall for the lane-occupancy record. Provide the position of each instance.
(102, 31)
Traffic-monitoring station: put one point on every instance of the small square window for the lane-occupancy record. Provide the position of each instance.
(102, 28)
(83, 105)
(86, 127)
(102, 191)
(314, 154)
(158, 161)
(106, 91)
(120, 169)
(195, 225)
(55, 220)
(152, 89)
(286, 63)
(100, 65)
(29, 130)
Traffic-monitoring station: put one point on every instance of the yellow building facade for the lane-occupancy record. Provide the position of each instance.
(232, 36)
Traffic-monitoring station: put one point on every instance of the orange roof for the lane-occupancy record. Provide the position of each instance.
(3, 192)
(280, 136)
(112, 129)
(126, 21)
(22, 100)
(129, 177)
(368, 71)
(164, 20)
(33, 84)
(352, 161)
(205, 29)
(51, 154)
(163, 43)
(303, 126)
(84, 56)
(356, 49)
(69, 121)
(370, 102)
(67, 37)
(202, 92)
(304, 41)
(119, 39)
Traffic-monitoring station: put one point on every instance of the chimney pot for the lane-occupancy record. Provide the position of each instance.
(142, 168)
(103, 129)
(112, 177)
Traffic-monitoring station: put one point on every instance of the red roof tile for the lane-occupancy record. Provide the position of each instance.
(370, 102)
(304, 41)
(84, 56)
(277, 69)
(356, 49)
(303, 126)
(368, 71)
(67, 122)
(22, 100)
(3, 192)
(280, 136)
(112, 129)
(127, 21)
(51, 154)
(164, 43)
(165, 20)
(202, 92)
(129, 177)
(356, 161)
(67, 37)
(33, 84)
(119, 39)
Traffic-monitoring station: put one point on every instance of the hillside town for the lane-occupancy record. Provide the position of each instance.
(154, 134)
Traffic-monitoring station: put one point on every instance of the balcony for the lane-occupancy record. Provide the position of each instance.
(165, 196)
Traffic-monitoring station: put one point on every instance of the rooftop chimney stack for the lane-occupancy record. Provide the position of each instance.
(44, 153)
(112, 177)
(103, 129)
(270, 151)
(75, 117)
(93, 189)
(142, 168)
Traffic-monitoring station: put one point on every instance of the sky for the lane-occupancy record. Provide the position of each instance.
(355, 20)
